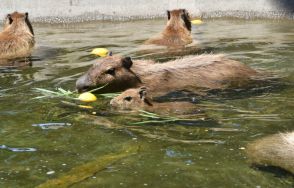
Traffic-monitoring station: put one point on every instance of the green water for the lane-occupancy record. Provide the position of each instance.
(62, 55)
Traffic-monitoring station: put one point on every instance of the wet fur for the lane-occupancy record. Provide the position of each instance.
(17, 37)
(135, 98)
(177, 31)
(276, 150)
(140, 98)
(191, 73)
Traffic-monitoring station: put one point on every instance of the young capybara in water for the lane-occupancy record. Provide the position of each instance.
(276, 150)
(17, 38)
(177, 32)
(192, 73)
(139, 99)
(135, 98)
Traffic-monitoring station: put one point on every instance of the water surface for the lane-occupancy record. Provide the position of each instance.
(163, 160)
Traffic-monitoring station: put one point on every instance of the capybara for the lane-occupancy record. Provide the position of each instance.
(135, 98)
(192, 73)
(275, 150)
(17, 38)
(139, 99)
(177, 32)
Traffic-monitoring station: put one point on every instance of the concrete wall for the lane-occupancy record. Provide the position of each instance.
(85, 10)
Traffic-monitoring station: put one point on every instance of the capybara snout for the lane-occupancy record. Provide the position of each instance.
(84, 84)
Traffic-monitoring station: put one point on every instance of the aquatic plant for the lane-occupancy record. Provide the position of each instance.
(156, 118)
(62, 93)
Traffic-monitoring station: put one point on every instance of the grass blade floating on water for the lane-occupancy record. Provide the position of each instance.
(156, 118)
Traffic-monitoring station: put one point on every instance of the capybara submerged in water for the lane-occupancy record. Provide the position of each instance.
(276, 150)
(135, 98)
(17, 38)
(191, 73)
(177, 32)
(140, 99)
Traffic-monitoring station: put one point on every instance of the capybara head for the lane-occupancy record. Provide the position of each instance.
(113, 71)
(18, 20)
(180, 15)
(132, 99)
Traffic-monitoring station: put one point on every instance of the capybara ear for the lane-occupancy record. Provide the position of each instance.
(186, 18)
(168, 14)
(127, 62)
(142, 92)
(29, 23)
(9, 18)
(143, 96)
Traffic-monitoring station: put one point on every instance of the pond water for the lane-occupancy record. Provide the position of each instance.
(165, 157)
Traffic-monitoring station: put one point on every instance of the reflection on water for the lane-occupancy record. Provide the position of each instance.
(206, 153)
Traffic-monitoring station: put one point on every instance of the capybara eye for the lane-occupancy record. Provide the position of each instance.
(128, 98)
(111, 71)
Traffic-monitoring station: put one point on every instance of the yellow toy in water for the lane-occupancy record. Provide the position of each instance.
(102, 52)
(87, 97)
(197, 22)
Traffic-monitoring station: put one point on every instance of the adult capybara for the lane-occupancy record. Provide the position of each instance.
(276, 150)
(17, 37)
(191, 73)
(177, 32)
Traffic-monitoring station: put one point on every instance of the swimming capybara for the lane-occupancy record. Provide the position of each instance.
(17, 38)
(275, 150)
(177, 32)
(135, 98)
(192, 73)
(140, 99)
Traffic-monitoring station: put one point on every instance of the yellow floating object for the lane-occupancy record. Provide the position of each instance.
(102, 52)
(196, 22)
(87, 97)
(85, 107)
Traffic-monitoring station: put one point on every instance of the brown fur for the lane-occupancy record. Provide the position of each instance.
(177, 31)
(17, 38)
(276, 150)
(139, 98)
(136, 98)
(192, 73)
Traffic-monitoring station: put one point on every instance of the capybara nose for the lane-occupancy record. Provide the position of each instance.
(83, 84)
(112, 103)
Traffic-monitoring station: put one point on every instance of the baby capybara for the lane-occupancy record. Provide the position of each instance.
(135, 98)
(177, 32)
(17, 38)
(140, 99)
